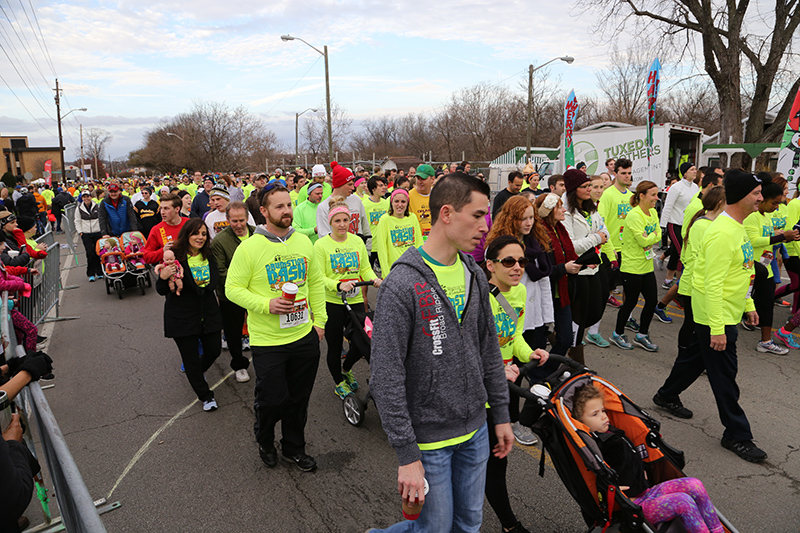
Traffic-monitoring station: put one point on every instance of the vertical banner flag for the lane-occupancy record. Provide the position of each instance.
(48, 171)
(789, 156)
(570, 111)
(652, 95)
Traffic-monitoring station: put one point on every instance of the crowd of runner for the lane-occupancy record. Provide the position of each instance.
(467, 289)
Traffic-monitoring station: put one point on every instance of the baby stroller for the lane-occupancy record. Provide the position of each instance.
(359, 334)
(123, 270)
(577, 458)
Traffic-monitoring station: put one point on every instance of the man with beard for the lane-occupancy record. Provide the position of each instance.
(284, 333)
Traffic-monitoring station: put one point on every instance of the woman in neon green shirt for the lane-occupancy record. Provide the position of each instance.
(505, 262)
(640, 233)
(396, 232)
(344, 261)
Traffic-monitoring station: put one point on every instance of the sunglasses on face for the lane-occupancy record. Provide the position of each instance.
(509, 262)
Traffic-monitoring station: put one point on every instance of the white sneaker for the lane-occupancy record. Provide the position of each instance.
(771, 347)
(242, 376)
(245, 343)
(210, 405)
(524, 435)
(224, 343)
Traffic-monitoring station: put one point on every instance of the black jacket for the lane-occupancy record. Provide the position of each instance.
(17, 468)
(620, 454)
(195, 311)
(60, 201)
(21, 260)
(26, 206)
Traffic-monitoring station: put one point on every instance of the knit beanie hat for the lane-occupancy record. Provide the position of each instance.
(574, 178)
(739, 184)
(26, 223)
(318, 171)
(219, 190)
(684, 168)
(341, 175)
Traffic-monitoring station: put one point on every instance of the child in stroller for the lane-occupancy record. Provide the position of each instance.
(134, 243)
(111, 256)
(684, 498)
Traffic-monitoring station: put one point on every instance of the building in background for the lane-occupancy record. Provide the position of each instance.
(19, 158)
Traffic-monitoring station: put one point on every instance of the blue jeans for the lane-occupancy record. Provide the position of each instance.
(456, 476)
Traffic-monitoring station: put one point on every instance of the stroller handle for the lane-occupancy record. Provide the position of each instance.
(560, 359)
(355, 285)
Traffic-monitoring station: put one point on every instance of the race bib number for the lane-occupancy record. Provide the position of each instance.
(353, 293)
(297, 317)
(766, 258)
(648, 253)
(750, 288)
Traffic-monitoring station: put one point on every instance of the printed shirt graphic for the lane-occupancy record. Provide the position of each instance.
(393, 237)
(615, 206)
(451, 279)
(760, 230)
(375, 211)
(508, 335)
(200, 270)
(343, 261)
(420, 206)
(216, 221)
(640, 233)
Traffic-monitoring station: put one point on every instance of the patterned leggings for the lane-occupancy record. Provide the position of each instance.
(25, 330)
(685, 498)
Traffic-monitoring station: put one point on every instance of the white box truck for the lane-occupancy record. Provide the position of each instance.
(595, 144)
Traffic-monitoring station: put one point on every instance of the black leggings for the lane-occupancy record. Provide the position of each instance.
(338, 319)
(496, 488)
(633, 285)
(676, 243)
(764, 295)
(194, 364)
(687, 335)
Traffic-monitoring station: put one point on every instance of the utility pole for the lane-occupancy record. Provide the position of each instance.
(328, 105)
(82, 167)
(530, 112)
(60, 138)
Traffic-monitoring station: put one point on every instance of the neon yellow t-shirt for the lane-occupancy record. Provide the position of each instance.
(694, 206)
(375, 211)
(509, 336)
(723, 273)
(760, 230)
(451, 279)
(343, 261)
(641, 231)
(614, 206)
(200, 269)
(393, 237)
(691, 247)
(792, 217)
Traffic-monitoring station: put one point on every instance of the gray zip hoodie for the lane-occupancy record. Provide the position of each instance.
(431, 377)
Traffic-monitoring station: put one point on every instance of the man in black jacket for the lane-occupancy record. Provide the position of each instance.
(60, 201)
(515, 181)
(26, 204)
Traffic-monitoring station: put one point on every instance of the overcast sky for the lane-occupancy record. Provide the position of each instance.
(135, 63)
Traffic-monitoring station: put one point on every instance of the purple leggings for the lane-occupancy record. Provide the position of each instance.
(25, 330)
(685, 498)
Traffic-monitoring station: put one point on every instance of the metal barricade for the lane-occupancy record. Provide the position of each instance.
(78, 510)
(68, 225)
(45, 288)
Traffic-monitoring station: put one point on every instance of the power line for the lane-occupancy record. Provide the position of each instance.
(25, 83)
(22, 63)
(293, 86)
(23, 105)
(26, 44)
(43, 43)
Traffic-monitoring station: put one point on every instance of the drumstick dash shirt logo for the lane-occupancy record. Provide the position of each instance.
(345, 261)
(285, 268)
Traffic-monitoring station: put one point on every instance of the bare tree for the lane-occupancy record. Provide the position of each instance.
(95, 141)
(728, 33)
(315, 131)
(623, 85)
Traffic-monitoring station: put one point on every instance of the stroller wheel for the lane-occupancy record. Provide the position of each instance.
(108, 285)
(119, 288)
(140, 282)
(353, 409)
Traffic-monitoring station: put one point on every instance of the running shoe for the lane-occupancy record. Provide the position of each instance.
(676, 408)
(182, 369)
(643, 341)
(780, 302)
(343, 389)
(210, 405)
(524, 435)
(661, 314)
(632, 325)
(91, 279)
(245, 343)
(613, 302)
(350, 379)
(746, 450)
(771, 347)
(660, 262)
(242, 376)
(621, 341)
(747, 326)
(597, 340)
(667, 284)
(224, 343)
(787, 338)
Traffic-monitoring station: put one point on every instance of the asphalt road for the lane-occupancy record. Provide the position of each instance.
(140, 438)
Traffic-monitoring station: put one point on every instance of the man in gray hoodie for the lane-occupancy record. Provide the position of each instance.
(436, 362)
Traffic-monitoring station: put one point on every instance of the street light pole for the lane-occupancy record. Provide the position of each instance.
(297, 135)
(60, 136)
(531, 70)
(323, 53)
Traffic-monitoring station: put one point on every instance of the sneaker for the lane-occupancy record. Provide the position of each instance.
(242, 376)
(787, 338)
(747, 326)
(245, 343)
(350, 379)
(597, 340)
(771, 347)
(91, 279)
(183, 369)
(617, 290)
(304, 462)
(210, 405)
(343, 389)
(745, 449)
(524, 435)
(661, 314)
(613, 302)
(632, 325)
(782, 303)
(40, 339)
(667, 284)
(660, 262)
(99, 276)
(675, 408)
(268, 456)
(224, 343)
(621, 341)
(643, 341)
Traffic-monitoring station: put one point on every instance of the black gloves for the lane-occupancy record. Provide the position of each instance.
(37, 364)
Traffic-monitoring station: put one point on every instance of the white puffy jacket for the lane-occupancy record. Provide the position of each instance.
(584, 233)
